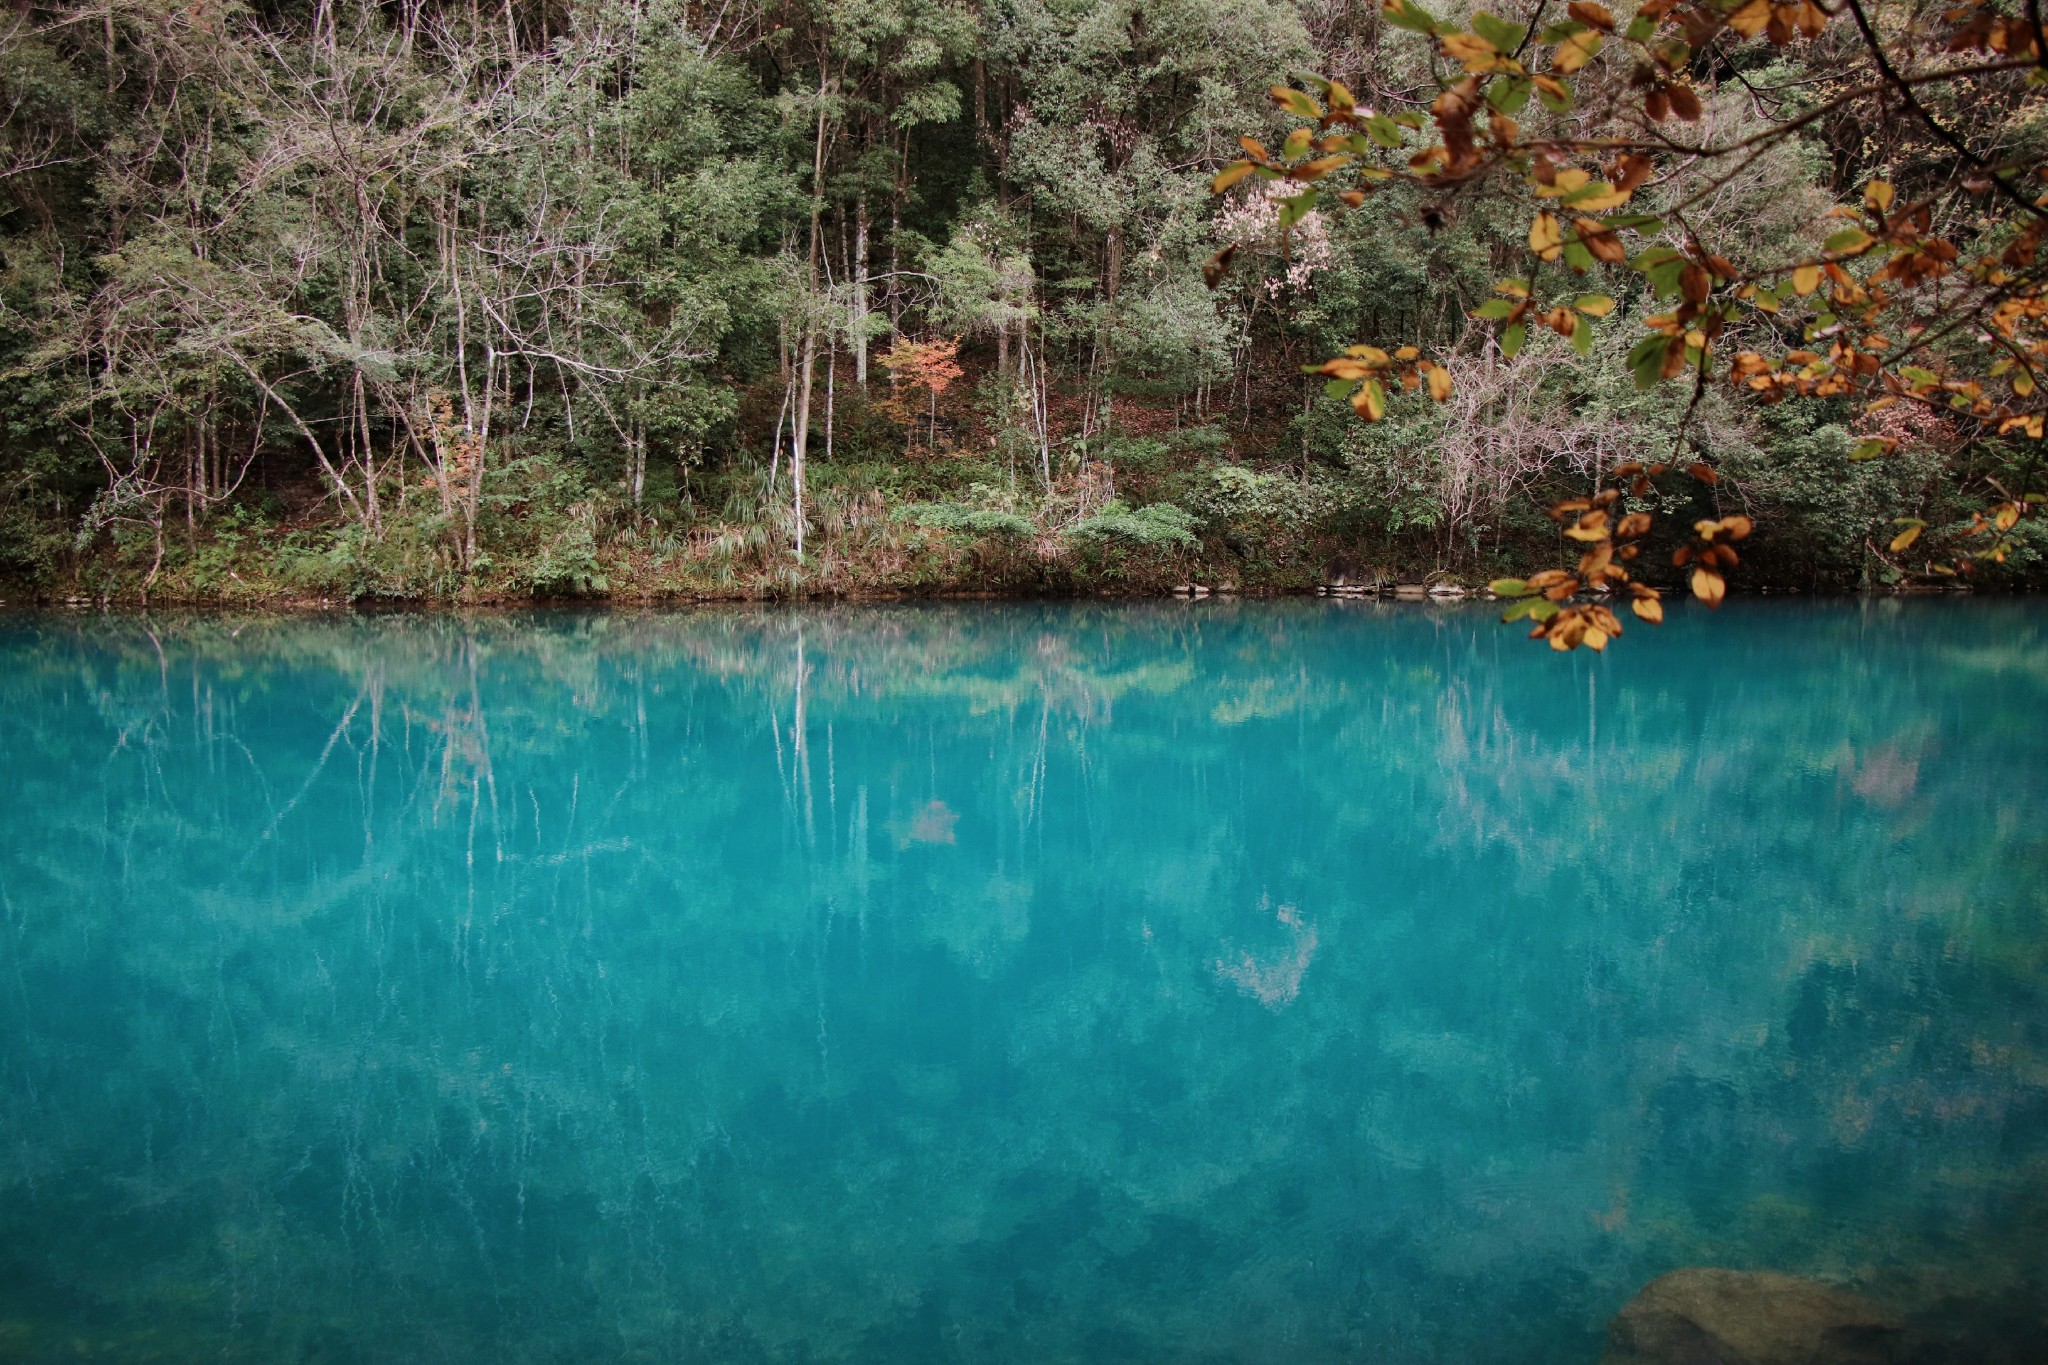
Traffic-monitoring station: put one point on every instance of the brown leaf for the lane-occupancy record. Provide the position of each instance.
(1217, 266)
(1750, 19)
(1605, 244)
(1631, 172)
(1591, 15)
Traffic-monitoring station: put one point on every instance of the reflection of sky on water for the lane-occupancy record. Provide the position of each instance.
(1285, 981)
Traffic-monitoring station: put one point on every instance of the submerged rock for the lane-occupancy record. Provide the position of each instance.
(1702, 1316)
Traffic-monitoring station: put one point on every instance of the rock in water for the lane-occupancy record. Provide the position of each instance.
(1701, 1316)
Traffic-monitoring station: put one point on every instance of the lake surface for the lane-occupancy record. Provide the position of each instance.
(1266, 982)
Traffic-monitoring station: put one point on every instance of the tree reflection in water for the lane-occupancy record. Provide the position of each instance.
(1278, 981)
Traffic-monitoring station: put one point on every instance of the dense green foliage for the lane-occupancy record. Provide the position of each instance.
(648, 298)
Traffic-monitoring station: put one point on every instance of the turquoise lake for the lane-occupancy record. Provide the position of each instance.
(1228, 982)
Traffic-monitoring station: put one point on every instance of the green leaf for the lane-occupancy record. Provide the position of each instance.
(1340, 389)
(1409, 15)
(1509, 587)
(1504, 36)
(1647, 224)
(1299, 207)
(1493, 310)
(1543, 609)
(1511, 339)
(1913, 374)
(1520, 609)
(1640, 30)
(1410, 118)
(1509, 94)
(1557, 33)
(1849, 239)
(1558, 101)
(1577, 256)
(1867, 450)
(1646, 360)
(1582, 336)
(1383, 130)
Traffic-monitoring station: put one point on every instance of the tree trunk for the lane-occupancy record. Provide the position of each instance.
(799, 446)
(860, 293)
(803, 434)
(897, 194)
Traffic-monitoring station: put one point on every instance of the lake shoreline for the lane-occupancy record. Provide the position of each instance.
(1437, 593)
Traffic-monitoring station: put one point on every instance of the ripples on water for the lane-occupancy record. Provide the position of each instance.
(1241, 982)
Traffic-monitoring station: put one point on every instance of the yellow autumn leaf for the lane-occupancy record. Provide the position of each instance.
(1546, 238)
(1709, 586)
(1317, 169)
(1370, 402)
(1230, 175)
(1439, 383)
(1905, 538)
(1569, 179)
(1601, 199)
(1469, 48)
(1806, 279)
(1877, 195)
(1575, 51)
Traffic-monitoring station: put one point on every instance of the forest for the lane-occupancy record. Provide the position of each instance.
(652, 299)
